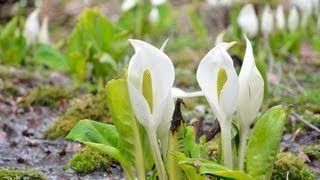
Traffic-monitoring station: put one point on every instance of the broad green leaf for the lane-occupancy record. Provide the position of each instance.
(51, 57)
(103, 137)
(264, 142)
(207, 167)
(94, 41)
(132, 137)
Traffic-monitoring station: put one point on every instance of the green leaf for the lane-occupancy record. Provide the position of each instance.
(51, 57)
(264, 142)
(12, 44)
(103, 137)
(132, 137)
(207, 167)
(91, 40)
(188, 169)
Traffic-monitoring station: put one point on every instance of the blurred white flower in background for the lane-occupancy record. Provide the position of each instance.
(44, 32)
(158, 2)
(154, 15)
(32, 28)
(293, 19)
(316, 7)
(280, 19)
(305, 7)
(267, 21)
(248, 21)
(128, 4)
(220, 2)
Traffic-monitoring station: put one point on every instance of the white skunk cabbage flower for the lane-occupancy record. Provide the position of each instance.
(293, 19)
(150, 79)
(158, 2)
(280, 18)
(179, 93)
(128, 4)
(32, 28)
(44, 32)
(154, 15)
(267, 21)
(251, 88)
(305, 7)
(219, 82)
(248, 21)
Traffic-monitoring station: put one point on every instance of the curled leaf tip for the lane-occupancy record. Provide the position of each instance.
(289, 109)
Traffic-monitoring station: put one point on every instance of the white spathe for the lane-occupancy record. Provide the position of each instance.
(158, 2)
(220, 2)
(280, 18)
(44, 32)
(154, 15)
(267, 21)
(248, 21)
(251, 88)
(148, 57)
(128, 4)
(179, 93)
(293, 19)
(222, 94)
(306, 8)
(32, 28)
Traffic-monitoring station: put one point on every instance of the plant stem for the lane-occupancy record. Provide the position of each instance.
(139, 18)
(242, 147)
(156, 154)
(226, 143)
(172, 166)
(139, 161)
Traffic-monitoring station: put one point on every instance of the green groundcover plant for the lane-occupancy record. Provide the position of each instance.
(148, 130)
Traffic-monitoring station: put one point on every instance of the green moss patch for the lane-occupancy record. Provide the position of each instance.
(47, 96)
(89, 160)
(9, 89)
(30, 174)
(312, 150)
(87, 107)
(288, 163)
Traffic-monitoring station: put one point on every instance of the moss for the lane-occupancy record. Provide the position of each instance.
(46, 96)
(312, 150)
(309, 101)
(289, 163)
(89, 160)
(30, 174)
(87, 107)
(9, 89)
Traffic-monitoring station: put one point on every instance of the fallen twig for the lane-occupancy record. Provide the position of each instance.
(299, 118)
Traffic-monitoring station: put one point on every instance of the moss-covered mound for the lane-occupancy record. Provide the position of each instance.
(30, 174)
(89, 160)
(47, 96)
(288, 163)
(87, 107)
